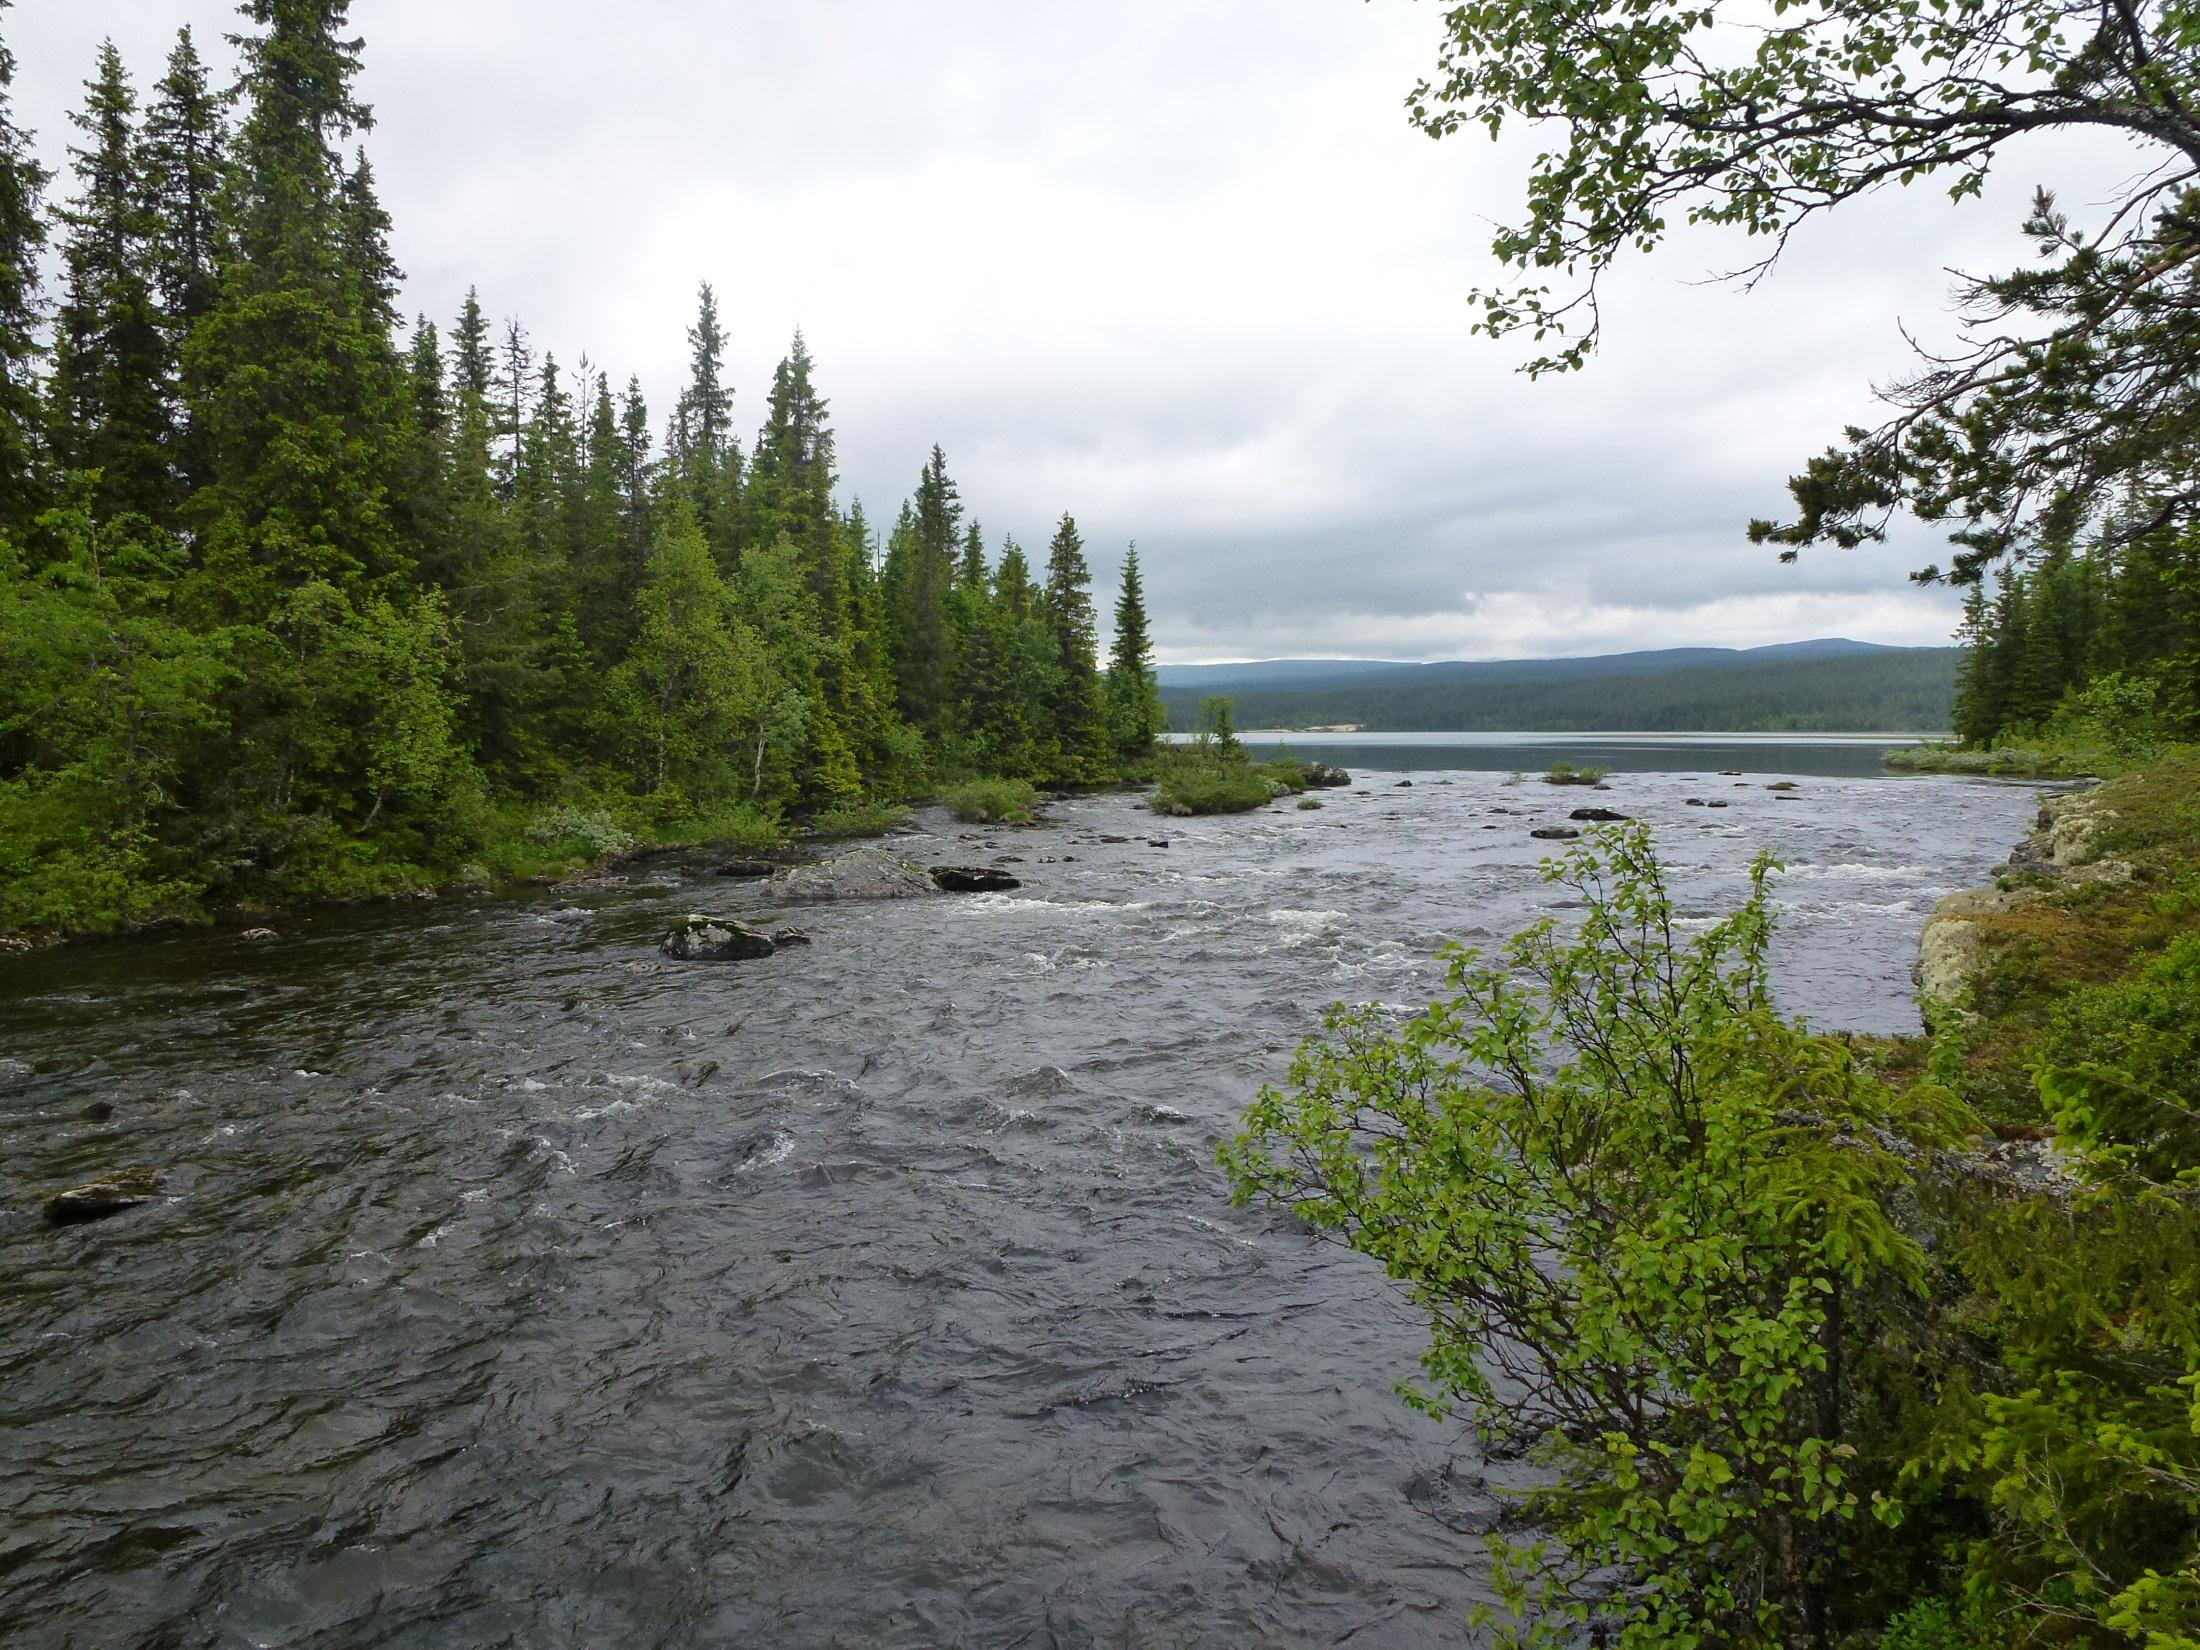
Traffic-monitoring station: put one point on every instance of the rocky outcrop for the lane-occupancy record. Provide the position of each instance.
(1960, 937)
(1956, 940)
(1599, 816)
(868, 872)
(973, 879)
(108, 1195)
(1321, 776)
(717, 939)
(744, 868)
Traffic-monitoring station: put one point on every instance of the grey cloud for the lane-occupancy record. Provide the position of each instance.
(1181, 269)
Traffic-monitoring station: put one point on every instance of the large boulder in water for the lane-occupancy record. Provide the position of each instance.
(869, 872)
(108, 1195)
(1321, 776)
(1599, 816)
(716, 939)
(973, 879)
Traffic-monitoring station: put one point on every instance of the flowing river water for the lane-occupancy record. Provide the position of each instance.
(516, 1287)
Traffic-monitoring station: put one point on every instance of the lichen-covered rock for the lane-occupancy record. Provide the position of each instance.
(108, 1195)
(1321, 776)
(2069, 834)
(1952, 947)
(973, 879)
(716, 939)
(869, 872)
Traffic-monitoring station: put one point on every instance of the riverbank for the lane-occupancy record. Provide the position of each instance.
(2106, 886)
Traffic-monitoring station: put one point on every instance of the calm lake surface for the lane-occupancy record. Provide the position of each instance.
(517, 1287)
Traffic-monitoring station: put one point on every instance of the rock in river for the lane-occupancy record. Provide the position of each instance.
(744, 868)
(868, 872)
(108, 1195)
(1599, 816)
(1555, 833)
(716, 939)
(972, 879)
(1321, 776)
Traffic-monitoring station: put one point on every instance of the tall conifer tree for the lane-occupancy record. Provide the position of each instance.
(109, 395)
(22, 234)
(1135, 716)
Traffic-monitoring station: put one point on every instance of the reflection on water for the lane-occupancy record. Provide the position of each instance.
(517, 1287)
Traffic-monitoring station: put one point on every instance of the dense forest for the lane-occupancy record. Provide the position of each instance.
(298, 600)
(1867, 689)
(2102, 639)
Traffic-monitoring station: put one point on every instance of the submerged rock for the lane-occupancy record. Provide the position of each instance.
(784, 937)
(744, 868)
(108, 1195)
(869, 872)
(716, 939)
(1555, 833)
(1601, 816)
(973, 879)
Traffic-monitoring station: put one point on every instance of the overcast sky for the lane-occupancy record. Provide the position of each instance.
(1179, 267)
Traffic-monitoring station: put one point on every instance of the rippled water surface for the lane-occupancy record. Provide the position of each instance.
(517, 1287)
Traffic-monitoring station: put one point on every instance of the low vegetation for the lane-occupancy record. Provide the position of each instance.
(1807, 1351)
(1565, 773)
(991, 801)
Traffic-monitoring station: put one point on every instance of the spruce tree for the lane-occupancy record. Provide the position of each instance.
(1135, 716)
(705, 457)
(1079, 713)
(920, 572)
(185, 153)
(791, 480)
(294, 380)
(22, 234)
(108, 401)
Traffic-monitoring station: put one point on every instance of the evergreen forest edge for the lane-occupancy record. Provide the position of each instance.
(294, 606)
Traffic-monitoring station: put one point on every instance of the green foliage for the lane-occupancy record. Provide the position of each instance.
(1565, 773)
(1135, 716)
(1216, 735)
(1308, 803)
(997, 801)
(584, 833)
(321, 617)
(1651, 1224)
(859, 819)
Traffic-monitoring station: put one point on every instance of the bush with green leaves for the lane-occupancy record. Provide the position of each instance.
(1648, 1219)
(1565, 773)
(991, 801)
(584, 833)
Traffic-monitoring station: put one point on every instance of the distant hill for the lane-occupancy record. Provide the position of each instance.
(1823, 686)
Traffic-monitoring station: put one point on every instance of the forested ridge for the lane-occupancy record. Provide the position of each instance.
(298, 599)
(1867, 690)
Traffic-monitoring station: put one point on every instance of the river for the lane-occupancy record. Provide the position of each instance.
(515, 1286)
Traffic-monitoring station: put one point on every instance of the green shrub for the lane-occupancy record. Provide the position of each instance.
(1650, 1223)
(1565, 773)
(1218, 788)
(859, 819)
(1307, 803)
(582, 833)
(732, 825)
(991, 801)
